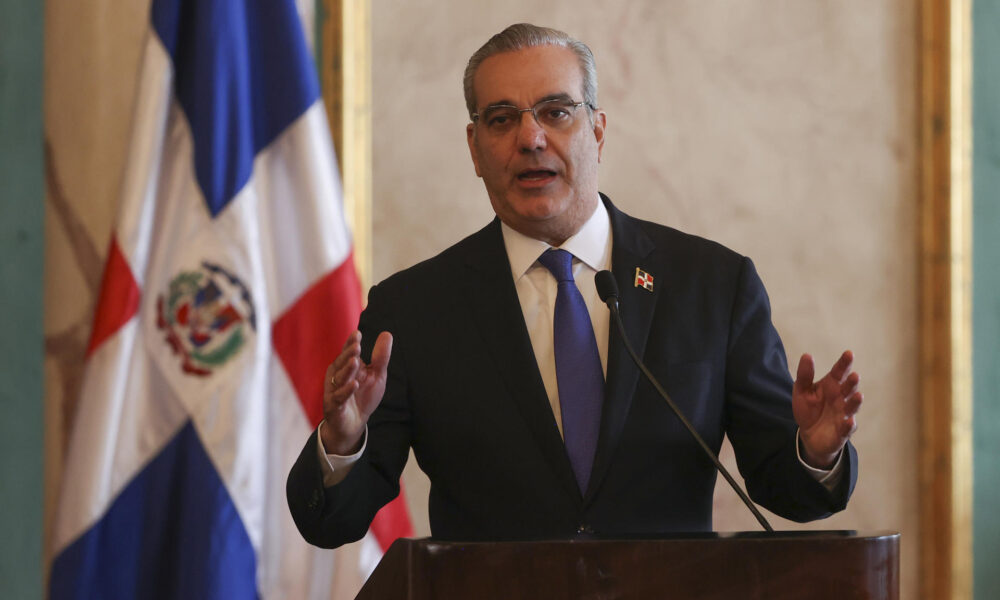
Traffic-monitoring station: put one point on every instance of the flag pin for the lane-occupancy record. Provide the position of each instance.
(643, 279)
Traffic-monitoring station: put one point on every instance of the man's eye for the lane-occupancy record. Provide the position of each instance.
(501, 118)
(557, 113)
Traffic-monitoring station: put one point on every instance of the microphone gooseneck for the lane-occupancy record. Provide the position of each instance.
(607, 289)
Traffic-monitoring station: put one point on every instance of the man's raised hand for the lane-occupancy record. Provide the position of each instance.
(351, 392)
(825, 410)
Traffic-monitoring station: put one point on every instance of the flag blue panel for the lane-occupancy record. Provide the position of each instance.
(173, 532)
(242, 74)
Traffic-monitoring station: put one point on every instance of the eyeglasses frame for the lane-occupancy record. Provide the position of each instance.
(575, 105)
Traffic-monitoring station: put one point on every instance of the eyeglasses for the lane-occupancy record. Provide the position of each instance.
(554, 115)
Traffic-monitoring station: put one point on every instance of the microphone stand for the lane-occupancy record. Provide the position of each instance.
(608, 290)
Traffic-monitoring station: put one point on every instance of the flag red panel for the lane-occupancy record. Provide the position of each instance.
(392, 521)
(308, 336)
(119, 299)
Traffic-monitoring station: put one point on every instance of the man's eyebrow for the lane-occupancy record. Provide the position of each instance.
(563, 96)
(503, 102)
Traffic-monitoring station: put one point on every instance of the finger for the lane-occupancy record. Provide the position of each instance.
(842, 367)
(339, 399)
(329, 386)
(353, 338)
(805, 373)
(341, 365)
(336, 390)
(381, 352)
(338, 373)
(345, 379)
(847, 427)
(853, 404)
(850, 385)
(351, 348)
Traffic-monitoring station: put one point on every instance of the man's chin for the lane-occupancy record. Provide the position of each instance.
(540, 205)
(554, 228)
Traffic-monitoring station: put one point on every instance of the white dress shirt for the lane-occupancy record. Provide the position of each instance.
(536, 291)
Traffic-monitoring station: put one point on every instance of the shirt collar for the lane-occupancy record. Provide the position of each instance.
(591, 244)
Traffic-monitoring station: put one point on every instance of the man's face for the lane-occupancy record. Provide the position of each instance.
(541, 182)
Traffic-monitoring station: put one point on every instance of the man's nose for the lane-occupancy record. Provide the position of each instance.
(530, 134)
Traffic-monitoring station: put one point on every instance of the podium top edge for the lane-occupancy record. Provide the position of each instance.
(676, 536)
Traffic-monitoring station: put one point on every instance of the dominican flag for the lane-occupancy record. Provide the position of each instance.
(229, 286)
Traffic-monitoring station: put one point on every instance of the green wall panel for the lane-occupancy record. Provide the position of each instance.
(986, 296)
(21, 337)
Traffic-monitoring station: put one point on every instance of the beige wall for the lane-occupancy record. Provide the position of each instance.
(783, 129)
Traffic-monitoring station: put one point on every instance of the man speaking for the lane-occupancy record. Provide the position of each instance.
(497, 362)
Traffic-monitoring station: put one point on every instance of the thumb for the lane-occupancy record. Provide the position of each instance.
(804, 374)
(381, 352)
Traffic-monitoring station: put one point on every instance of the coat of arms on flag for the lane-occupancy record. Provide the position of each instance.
(643, 279)
(203, 316)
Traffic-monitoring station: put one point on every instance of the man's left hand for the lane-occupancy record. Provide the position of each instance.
(825, 410)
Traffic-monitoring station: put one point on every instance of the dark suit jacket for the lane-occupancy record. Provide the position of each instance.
(465, 393)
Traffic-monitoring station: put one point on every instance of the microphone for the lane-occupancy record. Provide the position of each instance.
(607, 289)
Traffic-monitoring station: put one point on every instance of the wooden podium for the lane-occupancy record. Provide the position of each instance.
(812, 565)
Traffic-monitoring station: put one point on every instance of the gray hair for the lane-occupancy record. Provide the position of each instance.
(525, 35)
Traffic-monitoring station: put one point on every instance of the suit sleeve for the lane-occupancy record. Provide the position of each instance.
(759, 414)
(333, 516)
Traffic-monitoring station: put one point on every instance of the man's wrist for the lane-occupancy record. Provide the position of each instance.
(334, 467)
(339, 447)
(822, 462)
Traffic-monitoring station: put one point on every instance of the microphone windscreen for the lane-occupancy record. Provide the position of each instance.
(607, 288)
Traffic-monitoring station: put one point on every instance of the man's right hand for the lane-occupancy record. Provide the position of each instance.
(351, 393)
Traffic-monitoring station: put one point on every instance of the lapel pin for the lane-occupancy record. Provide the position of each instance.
(643, 279)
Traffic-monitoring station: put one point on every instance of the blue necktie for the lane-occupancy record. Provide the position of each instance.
(578, 368)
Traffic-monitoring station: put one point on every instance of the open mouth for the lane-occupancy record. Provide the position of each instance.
(536, 175)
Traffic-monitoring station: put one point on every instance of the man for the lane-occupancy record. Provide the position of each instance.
(495, 361)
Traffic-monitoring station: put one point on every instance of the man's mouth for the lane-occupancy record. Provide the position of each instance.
(536, 175)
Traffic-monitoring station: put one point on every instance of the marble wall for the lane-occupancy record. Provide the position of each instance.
(783, 129)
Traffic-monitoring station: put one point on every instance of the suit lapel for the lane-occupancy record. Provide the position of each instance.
(631, 249)
(492, 298)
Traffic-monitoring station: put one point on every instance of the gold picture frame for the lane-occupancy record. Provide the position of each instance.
(945, 288)
(344, 58)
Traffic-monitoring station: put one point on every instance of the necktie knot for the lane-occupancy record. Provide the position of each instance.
(559, 263)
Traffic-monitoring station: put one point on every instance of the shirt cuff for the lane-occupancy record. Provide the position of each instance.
(334, 466)
(829, 478)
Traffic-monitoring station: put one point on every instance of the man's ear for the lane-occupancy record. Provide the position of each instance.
(470, 136)
(600, 122)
